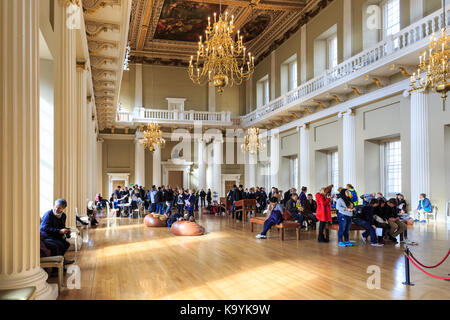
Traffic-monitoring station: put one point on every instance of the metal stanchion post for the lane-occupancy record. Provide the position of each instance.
(407, 275)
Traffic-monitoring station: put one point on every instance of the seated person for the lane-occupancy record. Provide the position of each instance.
(380, 219)
(276, 217)
(364, 218)
(367, 197)
(396, 227)
(291, 207)
(423, 208)
(309, 209)
(54, 232)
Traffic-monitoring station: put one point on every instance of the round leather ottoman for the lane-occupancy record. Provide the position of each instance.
(187, 228)
(155, 221)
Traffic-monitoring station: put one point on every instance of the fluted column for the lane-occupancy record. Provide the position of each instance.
(348, 147)
(274, 157)
(81, 139)
(65, 113)
(305, 167)
(99, 150)
(420, 148)
(252, 161)
(217, 165)
(157, 167)
(201, 164)
(139, 162)
(19, 156)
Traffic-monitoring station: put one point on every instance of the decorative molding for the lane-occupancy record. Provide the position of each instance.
(91, 6)
(94, 28)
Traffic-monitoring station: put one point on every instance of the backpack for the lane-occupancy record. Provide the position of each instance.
(354, 196)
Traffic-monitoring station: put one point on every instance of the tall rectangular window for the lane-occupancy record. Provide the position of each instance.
(393, 167)
(266, 92)
(333, 169)
(288, 74)
(262, 91)
(332, 52)
(391, 14)
(292, 75)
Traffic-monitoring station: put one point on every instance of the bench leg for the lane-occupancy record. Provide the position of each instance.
(251, 226)
(298, 233)
(60, 277)
(282, 234)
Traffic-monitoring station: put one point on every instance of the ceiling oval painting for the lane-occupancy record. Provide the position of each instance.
(255, 27)
(184, 20)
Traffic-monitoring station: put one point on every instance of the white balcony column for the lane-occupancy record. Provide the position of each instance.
(19, 158)
(420, 147)
(99, 164)
(303, 50)
(201, 164)
(139, 160)
(348, 146)
(273, 74)
(305, 167)
(274, 157)
(66, 131)
(347, 29)
(81, 138)
(157, 167)
(217, 165)
(417, 9)
(211, 97)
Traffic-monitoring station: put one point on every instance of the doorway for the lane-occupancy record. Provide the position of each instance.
(176, 179)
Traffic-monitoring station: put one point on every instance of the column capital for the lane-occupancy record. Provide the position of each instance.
(101, 140)
(304, 126)
(348, 112)
(82, 66)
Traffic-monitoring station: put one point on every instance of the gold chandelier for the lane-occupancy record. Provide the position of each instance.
(252, 142)
(153, 137)
(434, 68)
(220, 58)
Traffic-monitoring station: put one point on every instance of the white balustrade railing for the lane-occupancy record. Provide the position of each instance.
(147, 115)
(386, 48)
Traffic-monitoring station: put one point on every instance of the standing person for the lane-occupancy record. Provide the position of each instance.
(238, 195)
(276, 217)
(423, 207)
(345, 208)
(54, 231)
(190, 203)
(159, 201)
(209, 197)
(263, 199)
(202, 198)
(302, 197)
(152, 199)
(180, 202)
(169, 200)
(323, 199)
(353, 194)
(197, 198)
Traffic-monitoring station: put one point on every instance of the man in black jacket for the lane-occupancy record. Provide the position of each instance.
(159, 201)
(238, 195)
(54, 232)
(202, 198)
(364, 218)
(396, 227)
(309, 209)
(291, 207)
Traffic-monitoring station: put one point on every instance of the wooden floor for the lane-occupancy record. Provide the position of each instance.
(123, 259)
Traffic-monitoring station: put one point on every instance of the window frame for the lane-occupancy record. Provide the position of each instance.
(385, 19)
(332, 63)
(385, 168)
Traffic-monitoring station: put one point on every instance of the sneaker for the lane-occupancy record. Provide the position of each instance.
(364, 239)
(348, 243)
(377, 244)
(66, 262)
(341, 244)
(260, 236)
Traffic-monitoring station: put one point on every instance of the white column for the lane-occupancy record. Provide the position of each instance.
(348, 147)
(211, 97)
(252, 161)
(274, 157)
(157, 167)
(305, 168)
(303, 61)
(201, 164)
(19, 142)
(273, 74)
(217, 166)
(138, 87)
(420, 148)
(416, 10)
(139, 162)
(99, 150)
(347, 28)
(81, 139)
(65, 113)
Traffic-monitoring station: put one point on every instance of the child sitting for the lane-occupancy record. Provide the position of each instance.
(276, 217)
(423, 208)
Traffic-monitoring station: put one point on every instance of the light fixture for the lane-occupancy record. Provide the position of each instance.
(153, 138)
(433, 69)
(220, 58)
(127, 58)
(252, 142)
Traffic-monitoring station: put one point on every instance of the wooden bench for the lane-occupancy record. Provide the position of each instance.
(245, 206)
(55, 262)
(282, 226)
(355, 227)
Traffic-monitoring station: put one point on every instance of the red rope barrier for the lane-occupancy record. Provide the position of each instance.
(431, 275)
(430, 267)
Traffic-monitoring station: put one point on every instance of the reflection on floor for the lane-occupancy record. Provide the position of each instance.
(122, 259)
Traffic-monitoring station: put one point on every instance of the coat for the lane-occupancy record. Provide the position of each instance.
(323, 208)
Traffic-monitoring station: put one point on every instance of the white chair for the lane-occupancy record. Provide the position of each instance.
(434, 210)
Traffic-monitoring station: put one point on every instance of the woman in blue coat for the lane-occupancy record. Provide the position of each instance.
(276, 217)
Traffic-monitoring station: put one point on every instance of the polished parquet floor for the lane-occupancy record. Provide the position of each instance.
(122, 259)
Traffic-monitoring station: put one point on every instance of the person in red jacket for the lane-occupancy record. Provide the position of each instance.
(323, 214)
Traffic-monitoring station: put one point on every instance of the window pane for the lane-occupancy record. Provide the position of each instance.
(335, 170)
(266, 92)
(393, 167)
(392, 17)
(332, 52)
(292, 76)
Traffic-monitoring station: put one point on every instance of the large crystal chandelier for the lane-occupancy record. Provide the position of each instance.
(220, 58)
(252, 142)
(153, 137)
(434, 66)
